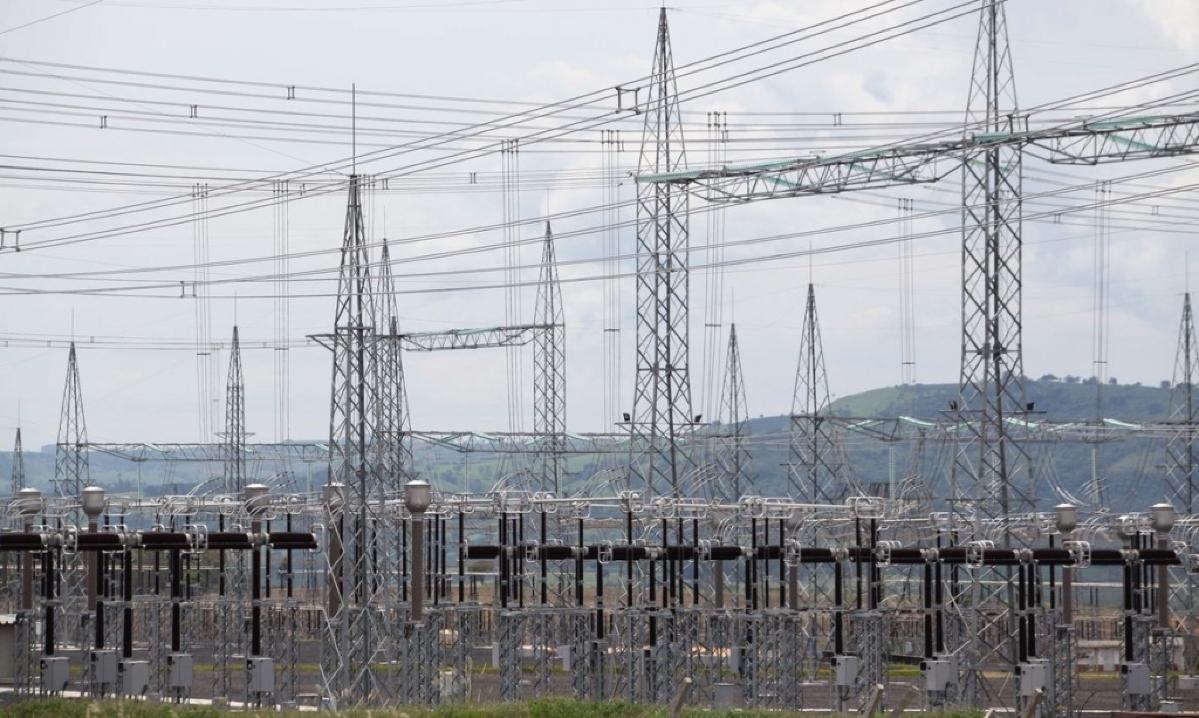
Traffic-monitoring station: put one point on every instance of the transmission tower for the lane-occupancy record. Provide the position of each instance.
(235, 422)
(733, 460)
(70, 452)
(991, 478)
(18, 465)
(1184, 412)
(394, 436)
(662, 395)
(991, 468)
(549, 371)
(355, 628)
(817, 470)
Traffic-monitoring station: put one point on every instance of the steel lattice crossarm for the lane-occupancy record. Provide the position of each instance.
(490, 337)
(211, 453)
(1077, 143)
(522, 442)
(904, 428)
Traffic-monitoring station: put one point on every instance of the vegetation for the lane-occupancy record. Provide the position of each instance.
(549, 708)
(1126, 464)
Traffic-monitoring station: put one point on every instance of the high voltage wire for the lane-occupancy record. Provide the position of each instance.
(247, 206)
(193, 115)
(42, 341)
(114, 291)
(1031, 198)
(458, 156)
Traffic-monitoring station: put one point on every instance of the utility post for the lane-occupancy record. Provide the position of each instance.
(102, 662)
(29, 503)
(1063, 666)
(417, 497)
(1162, 517)
(260, 669)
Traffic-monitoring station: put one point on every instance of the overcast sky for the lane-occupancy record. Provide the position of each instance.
(537, 50)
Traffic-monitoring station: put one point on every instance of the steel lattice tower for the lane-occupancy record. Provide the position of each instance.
(818, 469)
(991, 469)
(18, 464)
(662, 394)
(990, 479)
(549, 372)
(70, 452)
(1179, 467)
(394, 435)
(235, 422)
(733, 460)
(1184, 412)
(355, 628)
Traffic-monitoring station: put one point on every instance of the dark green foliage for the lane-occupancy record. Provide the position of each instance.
(548, 708)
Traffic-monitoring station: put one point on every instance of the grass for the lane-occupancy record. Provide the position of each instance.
(547, 708)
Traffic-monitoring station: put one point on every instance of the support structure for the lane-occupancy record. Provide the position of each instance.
(735, 475)
(549, 372)
(1179, 471)
(1184, 416)
(817, 469)
(991, 478)
(235, 422)
(662, 394)
(349, 657)
(70, 452)
(394, 435)
(18, 465)
(992, 469)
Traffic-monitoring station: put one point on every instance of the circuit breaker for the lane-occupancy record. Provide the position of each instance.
(56, 671)
(1136, 679)
(104, 666)
(135, 677)
(261, 675)
(939, 675)
(1034, 676)
(847, 668)
(179, 671)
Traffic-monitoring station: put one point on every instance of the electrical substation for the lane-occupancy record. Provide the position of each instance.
(669, 575)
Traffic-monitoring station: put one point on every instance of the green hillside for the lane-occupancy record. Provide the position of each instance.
(1053, 399)
(1131, 468)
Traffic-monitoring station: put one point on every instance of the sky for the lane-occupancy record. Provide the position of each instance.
(534, 51)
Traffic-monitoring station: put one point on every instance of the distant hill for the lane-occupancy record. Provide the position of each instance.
(1053, 399)
(1131, 468)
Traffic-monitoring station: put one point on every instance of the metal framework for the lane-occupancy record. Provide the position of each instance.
(1183, 416)
(750, 598)
(394, 438)
(549, 372)
(661, 413)
(348, 659)
(487, 338)
(817, 469)
(70, 452)
(734, 463)
(235, 422)
(18, 465)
